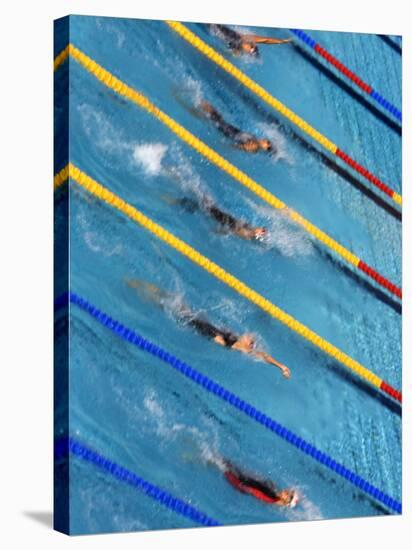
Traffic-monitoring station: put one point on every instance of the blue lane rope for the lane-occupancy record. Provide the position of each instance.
(63, 446)
(349, 74)
(207, 383)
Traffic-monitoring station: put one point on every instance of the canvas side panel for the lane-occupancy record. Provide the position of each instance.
(61, 283)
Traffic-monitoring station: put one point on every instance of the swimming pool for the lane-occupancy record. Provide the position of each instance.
(125, 403)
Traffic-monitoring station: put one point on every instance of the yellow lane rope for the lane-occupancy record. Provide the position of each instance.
(217, 58)
(120, 87)
(139, 99)
(104, 194)
(61, 58)
(212, 54)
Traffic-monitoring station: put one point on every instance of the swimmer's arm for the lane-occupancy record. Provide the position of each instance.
(246, 146)
(219, 340)
(265, 39)
(269, 359)
(149, 290)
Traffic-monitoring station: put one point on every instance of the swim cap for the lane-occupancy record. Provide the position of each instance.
(263, 235)
(295, 499)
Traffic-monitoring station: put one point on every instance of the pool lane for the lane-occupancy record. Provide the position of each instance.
(105, 134)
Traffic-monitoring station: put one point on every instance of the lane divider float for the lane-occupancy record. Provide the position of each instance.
(367, 88)
(70, 445)
(139, 99)
(110, 198)
(326, 143)
(230, 398)
(61, 58)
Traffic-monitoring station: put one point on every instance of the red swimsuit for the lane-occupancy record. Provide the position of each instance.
(252, 487)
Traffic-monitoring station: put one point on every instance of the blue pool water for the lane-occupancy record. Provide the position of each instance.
(132, 408)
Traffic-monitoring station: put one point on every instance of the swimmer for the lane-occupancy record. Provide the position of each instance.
(244, 343)
(244, 43)
(241, 140)
(263, 490)
(226, 221)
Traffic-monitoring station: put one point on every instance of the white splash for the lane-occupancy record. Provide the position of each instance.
(272, 132)
(289, 239)
(149, 156)
(183, 173)
(199, 445)
(152, 406)
(210, 456)
(305, 509)
(193, 90)
(284, 234)
(227, 308)
(111, 140)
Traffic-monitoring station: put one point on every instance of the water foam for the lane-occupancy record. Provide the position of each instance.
(284, 234)
(305, 509)
(226, 307)
(192, 90)
(289, 239)
(186, 177)
(272, 132)
(112, 29)
(149, 156)
(210, 456)
(205, 449)
(168, 429)
(104, 134)
(96, 241)
(111, 140)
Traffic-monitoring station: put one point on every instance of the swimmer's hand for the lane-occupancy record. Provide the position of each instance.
(272, 361)
(285, 372)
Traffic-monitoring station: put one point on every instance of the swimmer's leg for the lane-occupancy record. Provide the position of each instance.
(212, 114)
(208, 109)
(224, 127)
(172, 201)
(190, 205)
(148, 290)
(188, 106)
